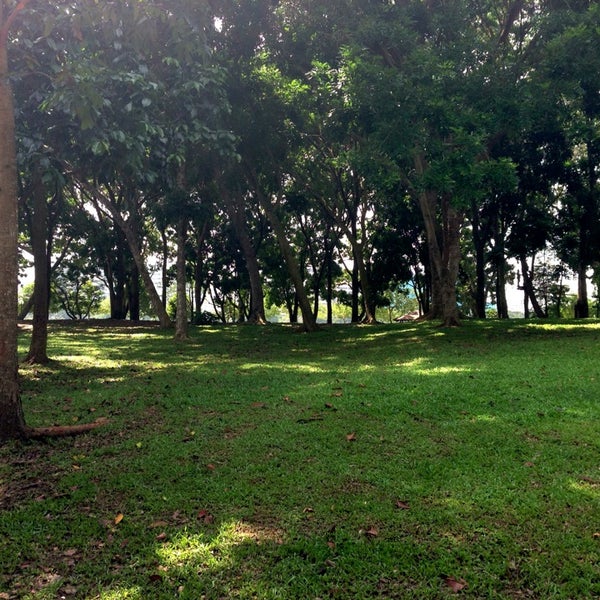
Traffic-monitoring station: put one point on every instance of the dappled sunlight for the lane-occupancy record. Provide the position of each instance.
(588, 488)
(424, 367)
(121, 593)
(310, 368)
(215, 552)
(484, 418)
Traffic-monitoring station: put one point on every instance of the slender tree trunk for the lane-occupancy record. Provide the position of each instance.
(164, 266)
(12, 421)
(257, 299)
(329, 298)
(479, 246)
(355, 294)
(199, 296)
(582, 307)
(181, 320)
(134, 294)
(38, 347)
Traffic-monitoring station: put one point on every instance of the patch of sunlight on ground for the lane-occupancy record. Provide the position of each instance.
(214, 552)
(484, 419)
(554, 326)
(590, 489)
(121, 593)
(298, 368)
(423, 366)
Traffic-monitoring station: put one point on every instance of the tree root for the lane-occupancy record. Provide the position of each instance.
(37, 433)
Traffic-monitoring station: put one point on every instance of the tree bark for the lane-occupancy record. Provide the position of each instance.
(38, 347)
(12, 421)
(582, 307)
(444, 251)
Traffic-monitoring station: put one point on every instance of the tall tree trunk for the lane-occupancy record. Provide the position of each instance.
(38, 347)
(12, 421)
(181, 320)
(582, 307)
(257, 298)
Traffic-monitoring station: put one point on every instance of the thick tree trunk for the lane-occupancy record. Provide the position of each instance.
(501, 302)
(257, 299)
(444, 254)
(38, 347)
(181, 320)
(582, 307)
(12, 422)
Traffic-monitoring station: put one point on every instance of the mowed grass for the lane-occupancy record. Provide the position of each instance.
(401, 461)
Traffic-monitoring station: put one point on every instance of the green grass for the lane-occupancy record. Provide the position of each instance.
(357, 462)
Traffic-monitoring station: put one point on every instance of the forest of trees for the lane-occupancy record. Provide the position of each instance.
(300, 154)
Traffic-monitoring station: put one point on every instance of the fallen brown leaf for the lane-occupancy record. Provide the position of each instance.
(456, 585)
(205, 516)
(402, 505)
(119, 518)
(351, 437)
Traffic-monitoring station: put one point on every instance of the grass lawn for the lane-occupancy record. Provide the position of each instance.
(398, 461)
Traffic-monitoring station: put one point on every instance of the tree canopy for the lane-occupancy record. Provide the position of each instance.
(300, 153)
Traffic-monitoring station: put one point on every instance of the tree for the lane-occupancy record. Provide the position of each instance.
(12, 421)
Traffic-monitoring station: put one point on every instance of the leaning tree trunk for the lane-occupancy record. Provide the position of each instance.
(529, 291)
(134, 247)
(38, 347)
(181, 321)
(12, 421)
